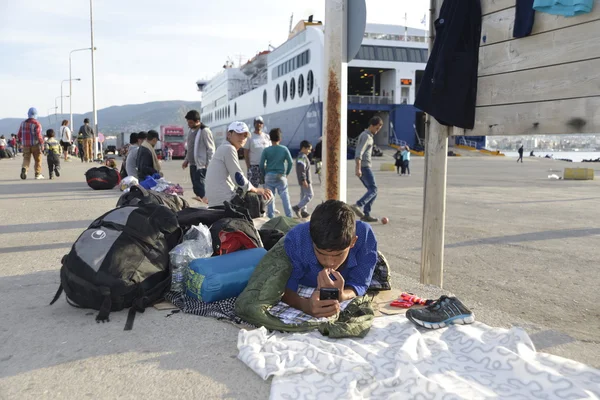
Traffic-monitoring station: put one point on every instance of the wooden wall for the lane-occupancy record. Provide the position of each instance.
(545, 83)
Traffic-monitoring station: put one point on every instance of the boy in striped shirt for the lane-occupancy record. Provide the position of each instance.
(53, 149)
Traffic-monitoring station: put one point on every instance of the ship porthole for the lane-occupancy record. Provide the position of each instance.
(234, 108)
(277, 93)
(300, 85)
(310, 82)
(292, 88)
(285, 90)
(264, 98)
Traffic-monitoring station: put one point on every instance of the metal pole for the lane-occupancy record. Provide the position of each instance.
(95, 113)
(335, 102)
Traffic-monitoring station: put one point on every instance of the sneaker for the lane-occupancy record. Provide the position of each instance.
(40, 176)
(296, 211)
(276, 211)
(51, 177)
(357, 211)
(23, 173)
(445, 311)
(368, 218)
(304, 214)
(57, 172)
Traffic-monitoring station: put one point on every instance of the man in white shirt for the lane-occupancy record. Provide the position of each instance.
(224, 174)
(253, 149)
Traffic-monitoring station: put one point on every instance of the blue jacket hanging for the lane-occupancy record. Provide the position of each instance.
(448, 91)
(568, 8)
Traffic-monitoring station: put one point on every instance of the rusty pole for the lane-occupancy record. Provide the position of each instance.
(335, 102)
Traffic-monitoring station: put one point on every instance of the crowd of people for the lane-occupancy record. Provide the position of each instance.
(215, 173)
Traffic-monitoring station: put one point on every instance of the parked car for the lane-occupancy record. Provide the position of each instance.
(110, 149)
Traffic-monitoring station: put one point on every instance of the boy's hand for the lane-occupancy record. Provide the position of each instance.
(322, 308)
(305, 184)
(325, 281)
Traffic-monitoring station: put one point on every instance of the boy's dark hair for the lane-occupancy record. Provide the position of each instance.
(133, 138)
(275, 135)
(375, 121)
(305, 144)
(50, 133)
(152, 134)
(193, 115)
(142, 135)
(86, 121)
(332, 225)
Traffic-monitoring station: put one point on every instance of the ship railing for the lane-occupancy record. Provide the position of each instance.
(466, 142)
(370, 99)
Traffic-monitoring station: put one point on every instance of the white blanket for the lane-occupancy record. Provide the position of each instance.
(398, 361)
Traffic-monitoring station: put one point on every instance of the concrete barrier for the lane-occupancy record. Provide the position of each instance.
(579, 174)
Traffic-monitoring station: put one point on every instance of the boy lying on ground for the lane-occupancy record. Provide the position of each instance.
(333, 250)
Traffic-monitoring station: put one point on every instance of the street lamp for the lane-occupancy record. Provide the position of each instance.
(93, 77)
(71, 84)
(69, 96)
(56, 108)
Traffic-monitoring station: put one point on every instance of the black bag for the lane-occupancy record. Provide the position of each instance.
(270, 237)
(251, 201)
(121, 261)
(138, 195)
(102, 178)
(189, 217)
(233, 234)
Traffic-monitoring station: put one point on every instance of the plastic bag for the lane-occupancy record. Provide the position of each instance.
(197, 243)
(128, 182)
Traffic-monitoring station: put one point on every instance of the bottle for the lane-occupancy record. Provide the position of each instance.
(179, 263)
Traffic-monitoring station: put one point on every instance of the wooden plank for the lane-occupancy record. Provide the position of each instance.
(498, 27)
(571, 44)
(492, 6)
(580, 79)
(434, 204)
(544, 118)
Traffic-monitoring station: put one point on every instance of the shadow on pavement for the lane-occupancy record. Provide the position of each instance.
(36, 247)
(529, 237)
(45, 226)
(43, 187)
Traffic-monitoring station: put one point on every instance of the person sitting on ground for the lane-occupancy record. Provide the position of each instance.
(110, 163)
(224, 174)
(147, 161)
(275, 165)
(333, 250)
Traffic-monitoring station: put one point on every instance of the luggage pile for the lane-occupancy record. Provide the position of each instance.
(132, 256)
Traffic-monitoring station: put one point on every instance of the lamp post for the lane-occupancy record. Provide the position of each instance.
(69, 96)
(71, 85)
(93, 77)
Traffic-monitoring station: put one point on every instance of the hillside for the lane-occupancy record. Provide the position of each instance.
(115, 119)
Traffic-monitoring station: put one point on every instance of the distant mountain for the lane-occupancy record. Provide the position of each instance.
(115, 119)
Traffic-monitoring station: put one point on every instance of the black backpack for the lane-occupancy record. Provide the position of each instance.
(233, 234)
(102, 178)
(191, 216)
(138, 195)
(121, 261)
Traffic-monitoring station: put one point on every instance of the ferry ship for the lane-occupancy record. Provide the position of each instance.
(285, 86)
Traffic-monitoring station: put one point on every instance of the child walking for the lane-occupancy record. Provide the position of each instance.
(303, 173)
(54, 150)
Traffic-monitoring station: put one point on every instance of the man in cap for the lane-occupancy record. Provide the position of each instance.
(30, 135)
(200, 150)
(224, 174)
(253, 149)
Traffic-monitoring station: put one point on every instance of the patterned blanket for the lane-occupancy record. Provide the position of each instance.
(396, 360)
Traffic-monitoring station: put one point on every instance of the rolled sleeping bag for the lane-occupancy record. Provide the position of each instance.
(222, 277)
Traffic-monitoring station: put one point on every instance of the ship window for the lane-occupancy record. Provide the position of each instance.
(277, 93)
(300, 85)
(264, 98)
(310, 82)
(234, 108)
(285, 91)
(228, 111)
(299, 60)
(307, 56)
(292, 89)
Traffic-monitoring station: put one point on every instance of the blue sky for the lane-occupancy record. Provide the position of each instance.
(146, 50)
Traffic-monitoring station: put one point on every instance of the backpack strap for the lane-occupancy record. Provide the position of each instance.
(57, 295)
(150, 291)
(106, 305)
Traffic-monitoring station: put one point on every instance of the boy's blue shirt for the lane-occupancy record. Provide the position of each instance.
(357, 270)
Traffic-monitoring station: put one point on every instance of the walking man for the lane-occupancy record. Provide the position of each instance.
(520, 154)
(200, 151)
(88, 140)
(253, 149)
(364, 148)
(32, 141)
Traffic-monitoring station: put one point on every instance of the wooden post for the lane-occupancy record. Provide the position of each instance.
(434, 196)
(335, 102)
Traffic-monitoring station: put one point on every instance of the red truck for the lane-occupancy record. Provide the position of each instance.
(172, 137)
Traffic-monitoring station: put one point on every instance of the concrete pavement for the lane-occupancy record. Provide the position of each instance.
(520, 250)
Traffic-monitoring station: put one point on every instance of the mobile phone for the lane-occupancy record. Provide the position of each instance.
(329, 294)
